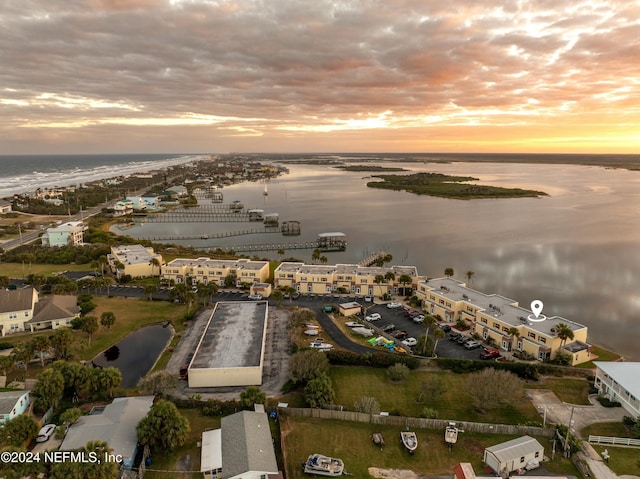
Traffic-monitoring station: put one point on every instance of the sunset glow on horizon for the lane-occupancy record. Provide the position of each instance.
(117, 76)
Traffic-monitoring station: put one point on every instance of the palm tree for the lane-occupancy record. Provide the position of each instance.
(149, 290)
(315, 256)
(515, 334)
(564, 332)
(438, 334)
(469, 275)
(448, 272)
(379, 279)
(154, 262)
(324, 259)
(40, 344)
(405, 279)
(107, 319)
(281, 252)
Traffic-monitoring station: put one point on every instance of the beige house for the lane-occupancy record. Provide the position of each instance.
(134, 260)
(5, 206)
(206, 270)
(22, 310)
(510, 326)
(348, 278)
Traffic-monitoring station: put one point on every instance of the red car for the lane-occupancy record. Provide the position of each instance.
(489, 354)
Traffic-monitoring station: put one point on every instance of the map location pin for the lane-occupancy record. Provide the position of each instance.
(536, 307)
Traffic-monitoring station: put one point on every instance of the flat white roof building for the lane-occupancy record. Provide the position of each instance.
(134, 260)
(620, 381)
(231, 349)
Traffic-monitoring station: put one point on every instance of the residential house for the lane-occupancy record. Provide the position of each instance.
(179, 190)
(206, 270)
(123, 207)
(114, 424)
(241, 449)
(523, 452)
(22, 310)
(12, 404)
(619, 381)
(348, 278)
(134, 260)
(66, 234)
(5, 206)
(501, 320)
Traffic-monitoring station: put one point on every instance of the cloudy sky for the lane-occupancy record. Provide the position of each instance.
(116, 76)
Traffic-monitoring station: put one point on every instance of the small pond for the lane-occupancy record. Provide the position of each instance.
(136, 354)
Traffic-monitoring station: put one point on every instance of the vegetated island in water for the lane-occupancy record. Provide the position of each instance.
(445, 186)
(375, 168)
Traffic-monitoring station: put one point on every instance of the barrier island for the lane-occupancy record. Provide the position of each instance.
(446, 186)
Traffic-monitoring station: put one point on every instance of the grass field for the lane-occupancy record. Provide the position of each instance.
(612, 429)
(602, 355)
(352, 383)
(18, 270)
(351, 442)
(572, 391)
(623, 460)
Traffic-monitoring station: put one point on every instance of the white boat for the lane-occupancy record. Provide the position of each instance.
(409, 441)
(311, 332)
(352, 324)
(265, 192)
(451, 433)
(321, 346)
(323, 466)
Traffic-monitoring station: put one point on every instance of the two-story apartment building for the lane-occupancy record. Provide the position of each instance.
(618, 381)
(134, 260)
(350, 278)
(123, 207)
(71, 233)
(206, 270)
(503, 320)
(22, 310)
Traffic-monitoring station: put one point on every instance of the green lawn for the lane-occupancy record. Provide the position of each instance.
(351, 442)
(612, 429)
(351, 383)
(170, 461)
(603, 355)
(18, 270)
(623, 460)
(572, 391)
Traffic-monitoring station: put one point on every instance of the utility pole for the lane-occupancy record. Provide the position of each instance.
(566, 441)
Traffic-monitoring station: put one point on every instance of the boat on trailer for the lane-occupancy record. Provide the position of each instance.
(451, 434)
(323, 465)
(409, 441)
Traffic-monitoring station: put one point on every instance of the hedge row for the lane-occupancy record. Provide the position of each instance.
(376, 360)
(522, 370)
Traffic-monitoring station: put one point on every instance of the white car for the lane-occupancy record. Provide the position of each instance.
(373, 317)
(410, 342)
(419, 319)
(46, 432)
(254, 297)
(368, 299)
(394, 305)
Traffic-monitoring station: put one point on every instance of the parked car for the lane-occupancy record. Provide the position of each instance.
(388, 327)
(454, 336)
(462, 339)
(410, 342)
(399, 334)
(410, 313)
(45, 433)
(418, 319)
(394, 305)
(373, 317)
(254, 297)
(445, 327)
(472, 344)
(488, 353)
(368, 299)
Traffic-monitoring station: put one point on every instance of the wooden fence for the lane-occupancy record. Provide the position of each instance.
(414, 422)
(614, 441)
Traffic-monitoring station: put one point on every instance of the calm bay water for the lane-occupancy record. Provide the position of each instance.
(576, 250)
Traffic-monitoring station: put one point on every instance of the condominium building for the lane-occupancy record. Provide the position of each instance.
(500, 318)
(618, 381)
(134, 260)
(347, 278)
(66, 234)
(206, 270)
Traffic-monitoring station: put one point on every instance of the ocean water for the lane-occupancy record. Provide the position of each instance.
(26, 173)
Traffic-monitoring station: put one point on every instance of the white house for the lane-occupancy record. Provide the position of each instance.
(12, 404)
(523, 452)
(123, 207)
(71, 233)
(620, 381)
(241, 449)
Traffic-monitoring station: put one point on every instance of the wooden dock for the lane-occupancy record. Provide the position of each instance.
(284, 246)
(371, 259)
(227, 234)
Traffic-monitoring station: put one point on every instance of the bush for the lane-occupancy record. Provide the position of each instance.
(398, 372)
(629, 421)
(375, 360)
(429, 413)
(606, 402)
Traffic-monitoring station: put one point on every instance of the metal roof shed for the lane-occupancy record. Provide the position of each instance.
(513, 455)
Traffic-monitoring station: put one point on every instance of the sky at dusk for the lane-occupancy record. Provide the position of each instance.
(144, 76)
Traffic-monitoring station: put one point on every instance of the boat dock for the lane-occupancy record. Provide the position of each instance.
(373, 258)
(227, 234)
(325, 242)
